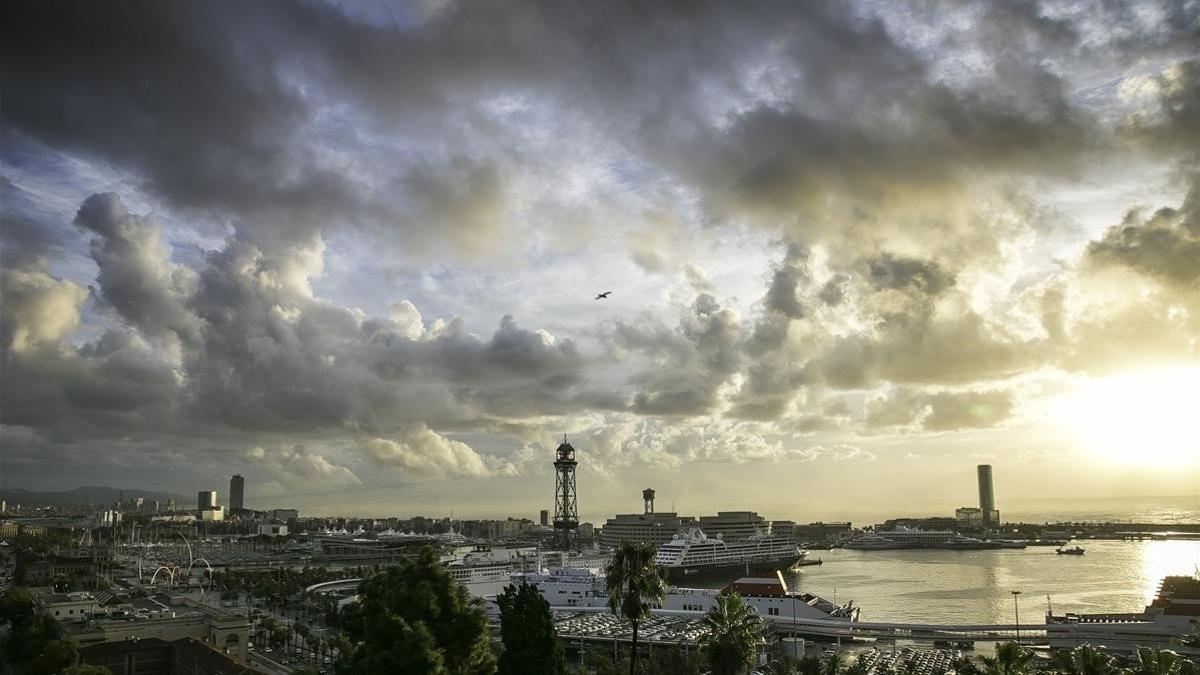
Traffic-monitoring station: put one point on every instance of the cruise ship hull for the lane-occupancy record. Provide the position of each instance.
(680, 574)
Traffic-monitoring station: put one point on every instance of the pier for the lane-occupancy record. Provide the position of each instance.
(1127, 633)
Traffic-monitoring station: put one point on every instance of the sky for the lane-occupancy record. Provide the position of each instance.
(350, 251)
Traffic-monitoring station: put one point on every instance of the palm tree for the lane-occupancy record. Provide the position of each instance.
(1153, 661)
(833, 663)
(1085, 660)
(859, 667)
(735, 630)
(964, 665)
(1010, 659)
(783, 665)
(808, 665)
(634, 586)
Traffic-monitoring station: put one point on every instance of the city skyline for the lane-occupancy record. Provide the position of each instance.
(352, 253)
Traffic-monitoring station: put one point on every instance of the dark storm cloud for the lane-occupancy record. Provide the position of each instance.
(136, 278)
(257, 351)
(688, 363)
(117, 386)
(939, 411)
(1164, 245)
(781, 294)
(1167, 127)
(216, 107)
(24, 242)
(925, 348)
(1158, 255)
(925, 276)
(174, 90)
(444, 136)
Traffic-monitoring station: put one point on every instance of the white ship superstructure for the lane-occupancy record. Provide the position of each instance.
(874, 542)
(486, 571)
(696, 553)
(569, 588)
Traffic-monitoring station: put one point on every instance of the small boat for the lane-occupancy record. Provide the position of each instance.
(1012, 543)
(1070, 551)
(961, 543)
(805, 563)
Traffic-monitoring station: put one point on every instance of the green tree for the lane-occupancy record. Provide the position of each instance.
(676, 662)
(782, 664)
(1010, 659)
(16, 610)
(54, 657)
(413, 618)
(1084, 660)
(530, 640)
(833, 663)
(87, 669)
(964, 665)
(735, 631)
(808, 665)
(634, 586)
(1151, 661)
(859, 667)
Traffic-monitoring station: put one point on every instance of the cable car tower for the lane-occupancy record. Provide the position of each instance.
(566, 511)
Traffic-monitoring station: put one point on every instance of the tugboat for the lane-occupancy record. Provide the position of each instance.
(1070, 551)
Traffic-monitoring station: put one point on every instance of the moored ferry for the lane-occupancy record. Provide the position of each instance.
(696, 555)
(874, 542)
(570, 588)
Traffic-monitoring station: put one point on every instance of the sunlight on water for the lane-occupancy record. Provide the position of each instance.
(1167, 558)
(975, 586)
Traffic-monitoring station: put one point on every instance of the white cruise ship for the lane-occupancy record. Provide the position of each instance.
(696, 554)
(486, 571)
(569, 588)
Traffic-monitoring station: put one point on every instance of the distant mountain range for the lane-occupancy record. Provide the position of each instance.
(82, 496)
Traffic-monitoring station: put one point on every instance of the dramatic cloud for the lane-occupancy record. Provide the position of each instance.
(939, 411)
(299, 466)
(1165, 245)
(364, 240)
(38, 309)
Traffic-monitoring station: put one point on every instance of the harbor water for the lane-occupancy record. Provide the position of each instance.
(942, 586)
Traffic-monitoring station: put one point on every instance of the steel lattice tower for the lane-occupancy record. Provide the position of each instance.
(566, 511)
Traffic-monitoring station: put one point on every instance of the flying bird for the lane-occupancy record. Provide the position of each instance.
(603, 295)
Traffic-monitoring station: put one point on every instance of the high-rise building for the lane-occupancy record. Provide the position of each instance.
(206, 499)
(734, 525)
(544, 517)
(237, 490)
(171, 504)
(644, 528)
(987, 497)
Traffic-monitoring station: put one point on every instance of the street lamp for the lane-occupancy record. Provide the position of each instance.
(1017, 615)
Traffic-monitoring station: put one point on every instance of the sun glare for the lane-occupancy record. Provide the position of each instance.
(1149, 418)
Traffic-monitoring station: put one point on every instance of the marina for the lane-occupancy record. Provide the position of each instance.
(936, 586)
